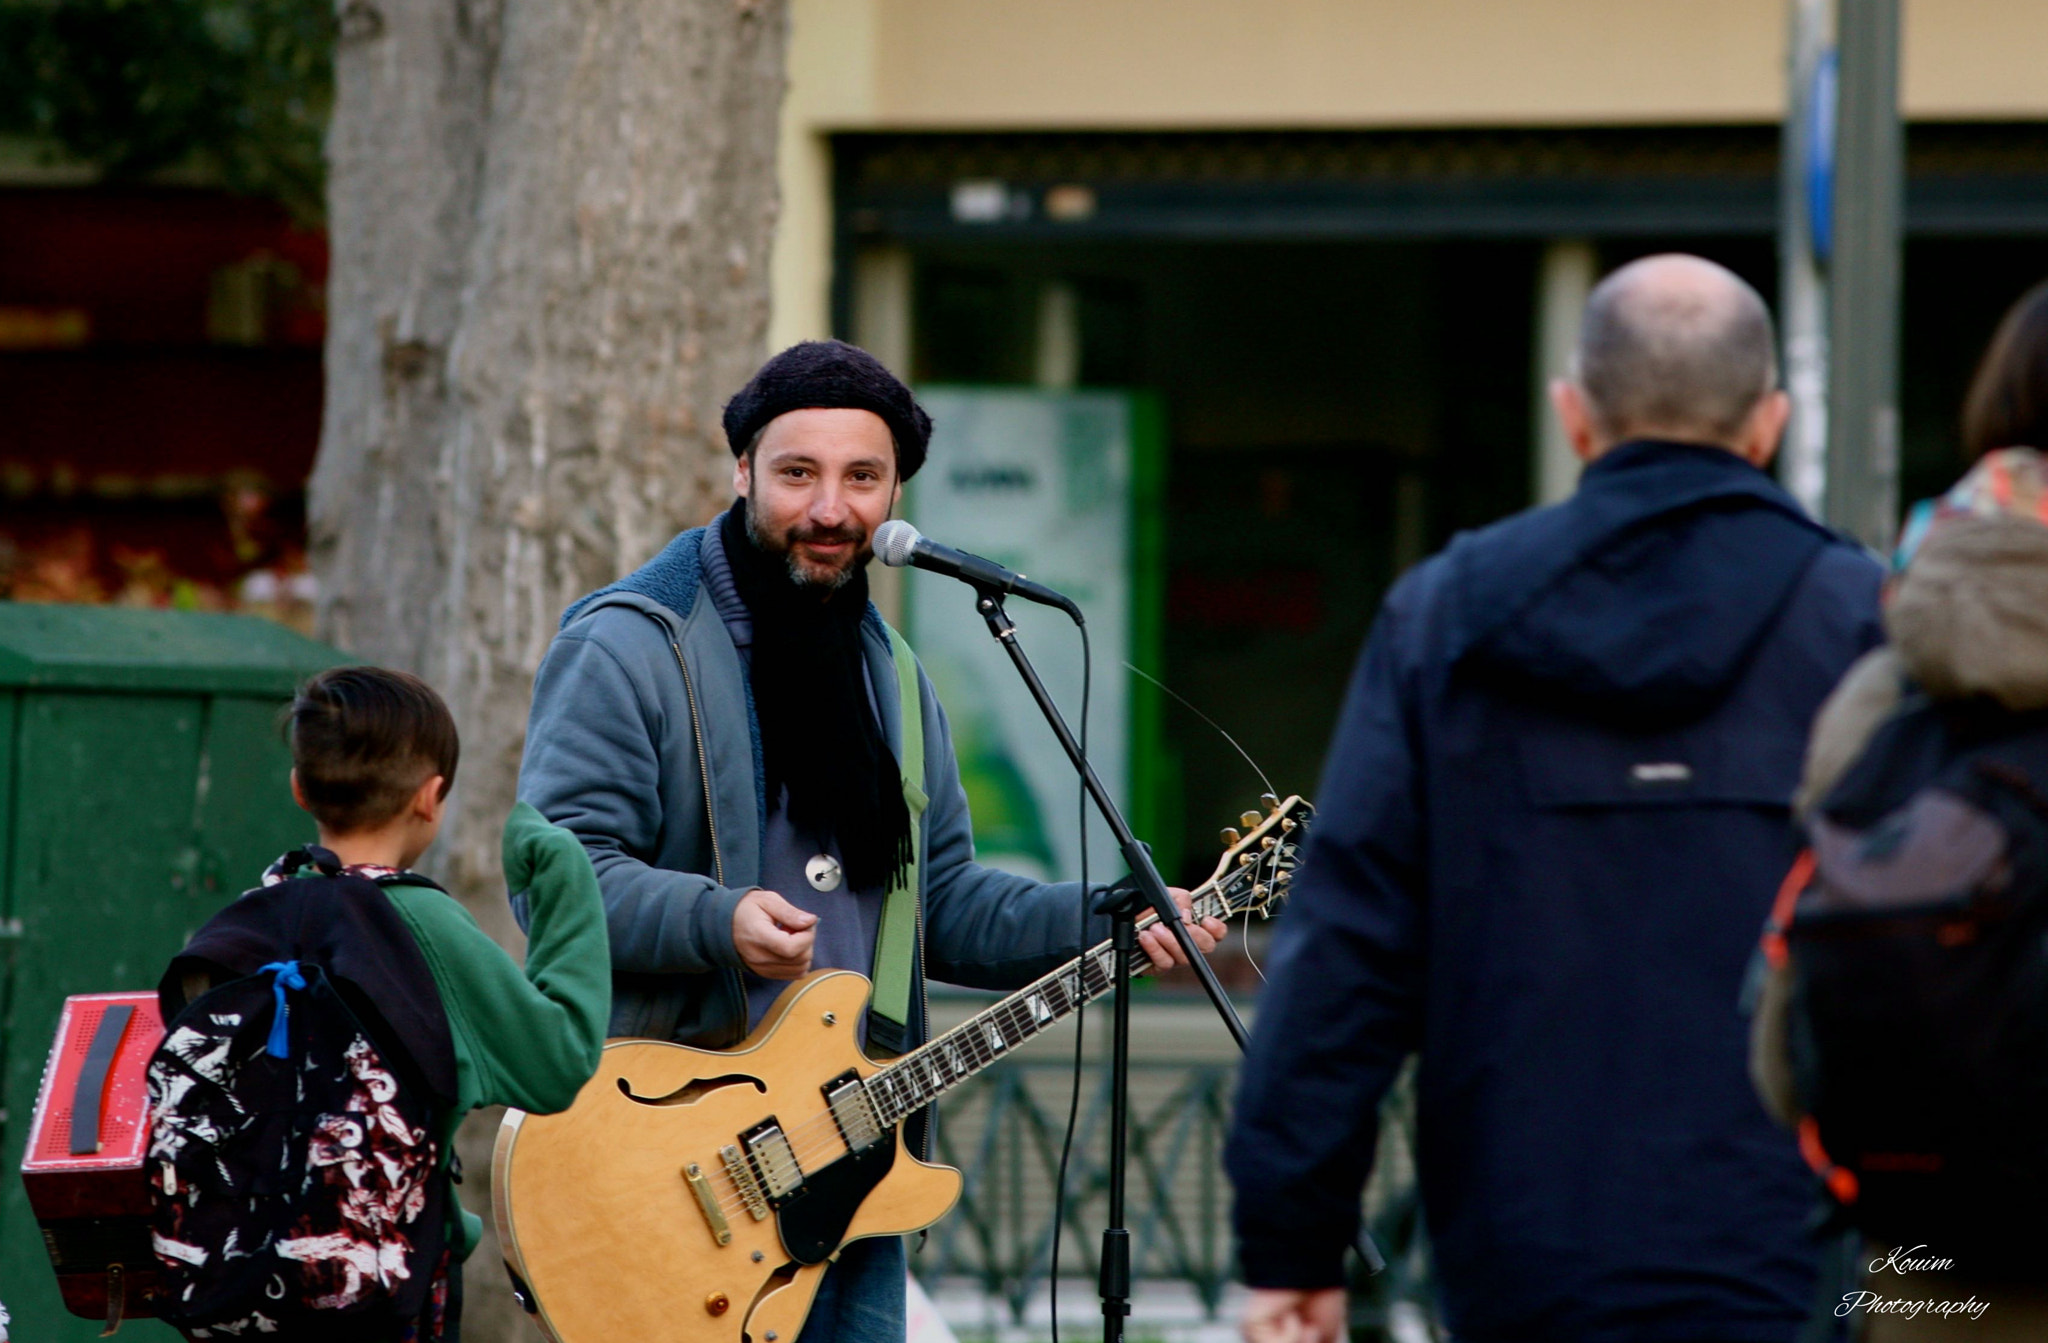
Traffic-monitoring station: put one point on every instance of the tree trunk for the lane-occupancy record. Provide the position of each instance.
(550, 223)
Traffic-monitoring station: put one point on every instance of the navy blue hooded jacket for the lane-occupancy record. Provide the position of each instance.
(1552, 821)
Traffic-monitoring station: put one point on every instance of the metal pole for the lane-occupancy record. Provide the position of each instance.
(1863, 275)
(1115, 1285)
(1805, 181)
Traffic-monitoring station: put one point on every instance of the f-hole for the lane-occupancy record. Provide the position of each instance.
(692, 1092)
(779, 1279)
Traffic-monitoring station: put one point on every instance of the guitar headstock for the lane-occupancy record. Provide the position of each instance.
(1258, 865)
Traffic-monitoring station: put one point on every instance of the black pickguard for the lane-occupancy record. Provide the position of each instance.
(814, 1222)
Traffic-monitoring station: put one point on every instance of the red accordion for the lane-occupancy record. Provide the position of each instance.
(84, 1165)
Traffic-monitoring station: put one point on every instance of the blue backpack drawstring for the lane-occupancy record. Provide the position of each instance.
(288, 976)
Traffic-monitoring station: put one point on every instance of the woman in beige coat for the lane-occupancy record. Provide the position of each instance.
(1967, 615)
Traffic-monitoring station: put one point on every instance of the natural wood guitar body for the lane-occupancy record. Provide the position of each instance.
(598, 1218)
(695, 1196)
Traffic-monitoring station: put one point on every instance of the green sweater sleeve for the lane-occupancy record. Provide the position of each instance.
(528, 1039)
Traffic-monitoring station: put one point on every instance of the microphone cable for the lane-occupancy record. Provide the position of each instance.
(1059, 1197)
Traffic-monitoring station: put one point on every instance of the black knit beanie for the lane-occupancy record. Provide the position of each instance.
(830, 375)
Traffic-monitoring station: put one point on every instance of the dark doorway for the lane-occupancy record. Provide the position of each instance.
(1334, 411)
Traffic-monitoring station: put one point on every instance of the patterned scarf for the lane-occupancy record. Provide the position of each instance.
(2011, 481)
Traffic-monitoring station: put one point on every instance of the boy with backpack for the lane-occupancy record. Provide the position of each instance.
(326, 1033)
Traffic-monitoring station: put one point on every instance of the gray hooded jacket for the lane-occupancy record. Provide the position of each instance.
(643, 742)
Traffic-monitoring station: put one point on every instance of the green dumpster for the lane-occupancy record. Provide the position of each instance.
(142, 785)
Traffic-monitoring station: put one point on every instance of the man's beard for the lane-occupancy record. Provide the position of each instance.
(830, 580)
(823, 751)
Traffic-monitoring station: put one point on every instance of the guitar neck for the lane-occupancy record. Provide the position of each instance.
(928, 1072)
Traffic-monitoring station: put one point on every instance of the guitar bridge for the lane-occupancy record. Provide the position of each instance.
(743, 1179)
(847, 1097)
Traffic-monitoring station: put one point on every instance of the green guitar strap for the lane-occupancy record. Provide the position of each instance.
(896, 942)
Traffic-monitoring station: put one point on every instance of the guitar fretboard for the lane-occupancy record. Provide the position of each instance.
(926, 1073)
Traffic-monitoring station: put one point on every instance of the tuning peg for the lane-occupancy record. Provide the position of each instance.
(1271, 802)
(1231, 839)
(1250, 819)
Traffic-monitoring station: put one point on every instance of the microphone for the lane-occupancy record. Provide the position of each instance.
(897, 543)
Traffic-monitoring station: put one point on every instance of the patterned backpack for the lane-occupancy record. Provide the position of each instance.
(295, 1156)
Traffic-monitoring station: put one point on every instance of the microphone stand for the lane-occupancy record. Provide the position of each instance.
(1148, 888)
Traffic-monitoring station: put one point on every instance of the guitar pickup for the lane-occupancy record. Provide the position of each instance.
(774, 1161)
(847, 1097)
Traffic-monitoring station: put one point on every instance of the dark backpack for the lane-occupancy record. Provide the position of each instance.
(1918, 1020)
(295, 1159)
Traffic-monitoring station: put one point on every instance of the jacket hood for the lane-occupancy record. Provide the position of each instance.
(670, 579)
(1645, 594)
(1969, 616)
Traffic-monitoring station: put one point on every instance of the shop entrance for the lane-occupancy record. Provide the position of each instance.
(1333, 412)
(1348, 336)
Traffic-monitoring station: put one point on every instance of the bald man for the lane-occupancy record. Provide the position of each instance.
(1553, 818)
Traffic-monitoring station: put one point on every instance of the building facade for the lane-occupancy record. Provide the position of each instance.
(1345, 242)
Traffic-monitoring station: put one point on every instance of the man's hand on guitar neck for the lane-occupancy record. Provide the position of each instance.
(1161, 945)
(772, 936)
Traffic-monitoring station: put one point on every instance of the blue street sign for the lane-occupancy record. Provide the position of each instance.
(1820, 158)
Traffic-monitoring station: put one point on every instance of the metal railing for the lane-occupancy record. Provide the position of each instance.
(1004, 1131)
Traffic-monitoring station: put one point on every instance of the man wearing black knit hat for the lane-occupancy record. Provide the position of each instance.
(731, 731)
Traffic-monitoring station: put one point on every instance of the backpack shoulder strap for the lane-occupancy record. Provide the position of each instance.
(349, 927)
(895, 966)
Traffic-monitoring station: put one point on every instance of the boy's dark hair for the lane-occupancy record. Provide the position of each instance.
(2007, 406)
(363, 739)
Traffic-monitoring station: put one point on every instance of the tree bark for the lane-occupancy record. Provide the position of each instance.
(550, 223)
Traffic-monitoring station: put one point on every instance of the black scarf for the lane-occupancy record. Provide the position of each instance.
(819, 736)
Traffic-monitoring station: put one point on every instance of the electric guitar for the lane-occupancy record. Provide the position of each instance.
(697, 1195)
